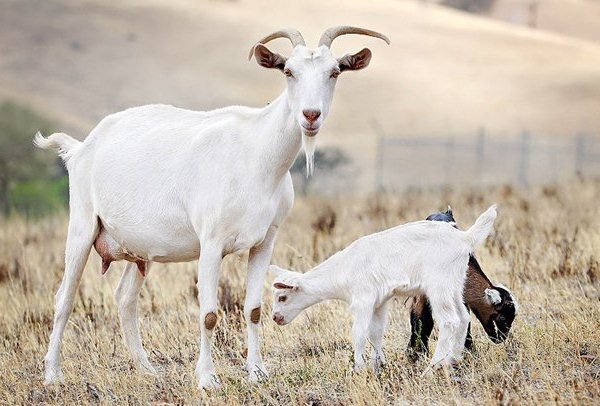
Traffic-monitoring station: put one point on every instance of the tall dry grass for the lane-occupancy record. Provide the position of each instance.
(545, 248)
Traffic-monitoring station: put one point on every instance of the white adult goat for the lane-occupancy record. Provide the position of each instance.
(420, 258)
(163, 184)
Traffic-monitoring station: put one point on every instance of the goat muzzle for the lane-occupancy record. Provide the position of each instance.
(278, 318)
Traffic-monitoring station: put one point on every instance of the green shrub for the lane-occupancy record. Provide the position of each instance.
(37, 197)
(31, 181)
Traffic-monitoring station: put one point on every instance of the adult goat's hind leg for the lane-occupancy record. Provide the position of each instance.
(258, 262)
(126, 295)
(83, 227)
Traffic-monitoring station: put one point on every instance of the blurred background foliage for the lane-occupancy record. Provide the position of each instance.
(32, 182)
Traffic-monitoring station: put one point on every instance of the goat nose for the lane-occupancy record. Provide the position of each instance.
(311, 114)
(277, 318)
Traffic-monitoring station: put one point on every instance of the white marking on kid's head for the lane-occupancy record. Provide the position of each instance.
(493, 296)
(496, 331)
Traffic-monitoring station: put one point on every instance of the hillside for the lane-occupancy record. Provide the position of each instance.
(446, 73)
(574, 18)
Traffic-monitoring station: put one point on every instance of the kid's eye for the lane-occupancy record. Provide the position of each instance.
(335, 73)
(288, 73)
(282, 298)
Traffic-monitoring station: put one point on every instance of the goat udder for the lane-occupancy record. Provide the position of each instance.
(103, 248)
(109, 250)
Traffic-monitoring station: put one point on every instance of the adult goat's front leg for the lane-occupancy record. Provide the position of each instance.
(258, 262)
(208, 280)
(80, 237)
(126, 295)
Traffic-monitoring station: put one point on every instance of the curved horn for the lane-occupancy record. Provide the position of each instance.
(290, 33)
(331, 33)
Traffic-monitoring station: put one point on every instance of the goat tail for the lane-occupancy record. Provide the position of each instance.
(63, 143)
(479, 231)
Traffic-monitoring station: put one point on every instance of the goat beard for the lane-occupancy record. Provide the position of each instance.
(309, 144)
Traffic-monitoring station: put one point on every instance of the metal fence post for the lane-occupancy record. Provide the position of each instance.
(580, 154)
(378, 154)
(379, 165)
(479, 151)
(449, 161)
(524, 161)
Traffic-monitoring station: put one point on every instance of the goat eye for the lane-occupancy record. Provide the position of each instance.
(282, 298)
(335, 74)
(288, 73)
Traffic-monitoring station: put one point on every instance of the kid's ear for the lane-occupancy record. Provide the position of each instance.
(281, 285)
(493, 296)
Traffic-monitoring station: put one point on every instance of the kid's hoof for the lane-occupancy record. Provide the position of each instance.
(258, 373)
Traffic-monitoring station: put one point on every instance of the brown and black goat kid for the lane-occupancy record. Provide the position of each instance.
(494, 306)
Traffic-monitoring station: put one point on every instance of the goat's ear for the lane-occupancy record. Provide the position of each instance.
(268, 59)
(281, 285)
(493, 296)
(359, 60)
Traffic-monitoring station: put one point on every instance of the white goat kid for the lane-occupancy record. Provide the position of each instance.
(163, 184)
(423, 257)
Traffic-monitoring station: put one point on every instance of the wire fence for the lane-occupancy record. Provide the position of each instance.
(483, 160)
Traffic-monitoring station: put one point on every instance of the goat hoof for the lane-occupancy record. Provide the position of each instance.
(147, 369)
(257, 373)
(209, 382)
(53, 376)
(359, 369)
(377, 362)
(428, 373)
(377, 367)
(360, 365)
(414, 354)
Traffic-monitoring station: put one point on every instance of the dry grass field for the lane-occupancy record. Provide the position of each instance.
(545, 247)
